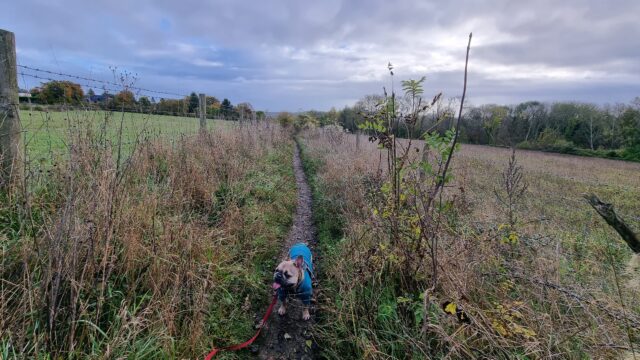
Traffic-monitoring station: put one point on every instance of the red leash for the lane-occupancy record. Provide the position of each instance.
(250, 341)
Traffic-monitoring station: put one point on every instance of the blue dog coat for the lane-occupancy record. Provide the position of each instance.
(304, 290)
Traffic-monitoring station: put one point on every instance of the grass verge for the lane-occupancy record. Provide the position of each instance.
(161, 255)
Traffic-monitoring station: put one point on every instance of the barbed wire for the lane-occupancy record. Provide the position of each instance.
(67, 75)
(50, 79)
(96, 81)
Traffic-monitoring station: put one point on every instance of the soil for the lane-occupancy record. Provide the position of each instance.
(288, 336)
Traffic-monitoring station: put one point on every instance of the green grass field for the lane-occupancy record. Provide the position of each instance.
(46, 134)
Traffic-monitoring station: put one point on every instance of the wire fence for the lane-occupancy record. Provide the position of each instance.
(123, 85)
(48, 135)
(108, 101)
(47, 131)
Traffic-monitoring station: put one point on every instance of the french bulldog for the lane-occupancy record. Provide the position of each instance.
(294, 276)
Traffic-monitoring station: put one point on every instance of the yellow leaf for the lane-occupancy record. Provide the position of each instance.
(450, 308)
(499, 328)
(513, 237)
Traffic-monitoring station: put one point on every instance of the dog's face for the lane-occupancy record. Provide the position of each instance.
(287, 273)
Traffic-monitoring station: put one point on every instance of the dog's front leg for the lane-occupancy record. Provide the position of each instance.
(305, 313)
(283, 307)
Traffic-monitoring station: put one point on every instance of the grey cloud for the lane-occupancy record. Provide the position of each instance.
(282, 54)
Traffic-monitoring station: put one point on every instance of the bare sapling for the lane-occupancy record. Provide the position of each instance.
(513, 188)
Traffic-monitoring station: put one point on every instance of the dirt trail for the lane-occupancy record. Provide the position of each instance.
(288, 336)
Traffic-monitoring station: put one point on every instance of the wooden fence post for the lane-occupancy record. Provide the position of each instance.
(203, 112)
(9, 117)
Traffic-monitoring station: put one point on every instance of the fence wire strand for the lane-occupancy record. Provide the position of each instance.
(104, 82)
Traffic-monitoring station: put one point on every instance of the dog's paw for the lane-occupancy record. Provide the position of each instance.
(305, 315)
(282, 310)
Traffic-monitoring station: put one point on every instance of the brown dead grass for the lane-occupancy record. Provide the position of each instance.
(152, 259)
(551, 295)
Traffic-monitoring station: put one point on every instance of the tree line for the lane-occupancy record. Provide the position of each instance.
(59, 92)
(566, 127)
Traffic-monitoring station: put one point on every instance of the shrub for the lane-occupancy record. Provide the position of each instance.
(285, 119)
(631, 153)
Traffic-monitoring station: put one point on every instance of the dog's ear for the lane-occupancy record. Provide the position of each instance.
(299, 261)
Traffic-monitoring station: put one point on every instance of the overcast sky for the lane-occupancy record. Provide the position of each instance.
(295, 54)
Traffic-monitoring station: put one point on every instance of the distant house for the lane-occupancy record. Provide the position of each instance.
(99, 98)
(24, 95)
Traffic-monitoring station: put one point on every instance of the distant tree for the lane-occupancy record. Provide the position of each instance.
(260, 115)
(630, 127)
(529, 116)
(285, 119)
(331, 117)
(172, 106)
(226, 109)
(562, 117)
(471, 127)
(492, 117)
(145, 104)
(349, 118)
(194, 102)
(210, 100)
(213, 106)
(594, 120)
(244, 111)
(306, 120)
(214, 109)
(90, 93)
(440, 118)
(59, 92)
(582, 125)
(611, 118)
(125, 98)
(369, 103)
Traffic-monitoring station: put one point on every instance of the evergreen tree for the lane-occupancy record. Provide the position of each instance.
(226, 109)
(193, 102)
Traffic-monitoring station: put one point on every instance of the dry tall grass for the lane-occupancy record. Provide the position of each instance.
(155, 256)
(546, 288)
